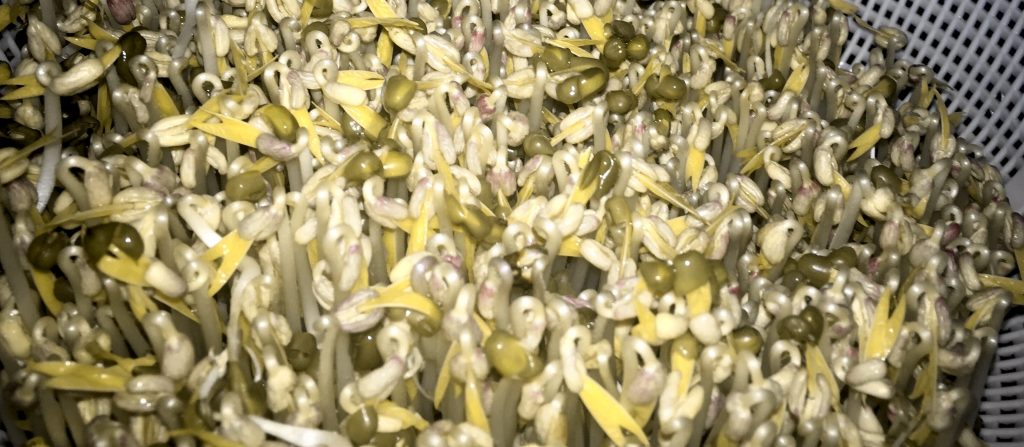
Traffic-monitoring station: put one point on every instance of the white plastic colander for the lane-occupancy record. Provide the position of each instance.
(977, 47)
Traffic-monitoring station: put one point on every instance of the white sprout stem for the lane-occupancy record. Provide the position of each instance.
(305, 166)
(937, 183)
(744, 124)
(495, 52)
(51, 154)
(117, 343)
(823, 227)
(851, 210)
(288, 278)
(201, 166)
(14, 432)
(53, 418)
(303, 273)
(537, 99)
(325, 377)
(706, 383)
(506, 396)
(600, 126)
(23, 296)
(231, 150)
(52, 117)
(73, 418)
(209, 319)
(178, 67)
(204, 22)
(248, 270)
(378, 261)
(420, 59)
(487, 15)
(294, 170)
(124, 319)
(185, 36)
(437, 200)
(342, 360)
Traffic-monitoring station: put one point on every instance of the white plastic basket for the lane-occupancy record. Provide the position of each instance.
(977, 47)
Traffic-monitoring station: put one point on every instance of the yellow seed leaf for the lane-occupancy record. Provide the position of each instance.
(984, 312)
(5, 16)
(797, 79)
(44, 284)
(303, 119)
(684, 365)
(817, 365)
(595, 29)
(407, 300)
(71, 376)
(111, 56)
(370, 121)
(124, 269)
(723, 441)
(361, 79)
(232, 248)
(163, 101)
(677, 225)
(924, 99)
(483, 325)
(390, 239)
(28, 91)
(139, 302)
(93, 213)
(667, 193)
(843, 6)
(381, 9)
(608, 413)
(82, 42)
(421, 227)
(699, 300)
(694, 166)
(570, 247)
(21, 80)
(305, 12)
(231, 129)
(652, 68)
(1014, 286)
(444, 377)
(645, 318)
(262, 165)
(450, 185)
(475, 413)
(207, 437)
(367, 22)
(100, 33)
(103, 106)
(867, 140)
(700, 23)
(943, 115)
(408, 418)
(885, 329)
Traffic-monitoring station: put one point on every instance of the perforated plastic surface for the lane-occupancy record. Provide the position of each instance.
(1001, 415)
(977, 47)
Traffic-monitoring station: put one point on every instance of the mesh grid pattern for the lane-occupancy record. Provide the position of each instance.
(1001, 416)
(976, 47)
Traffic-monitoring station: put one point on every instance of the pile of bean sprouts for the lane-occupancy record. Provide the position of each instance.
(476, 223)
